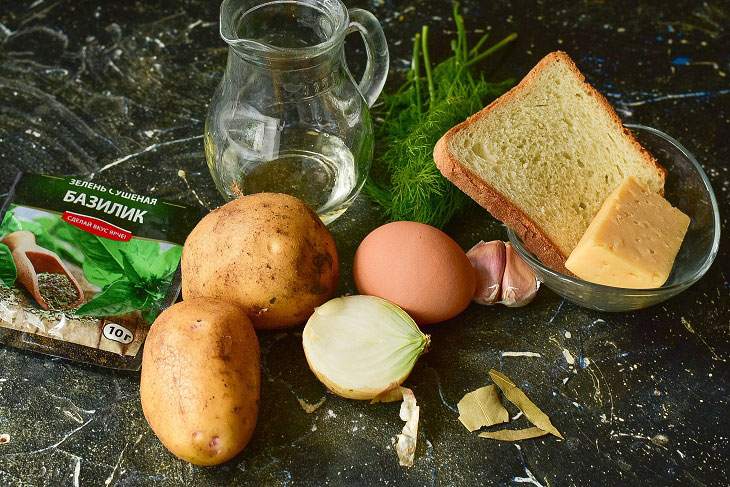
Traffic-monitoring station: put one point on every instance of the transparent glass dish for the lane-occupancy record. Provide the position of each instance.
(687, 188)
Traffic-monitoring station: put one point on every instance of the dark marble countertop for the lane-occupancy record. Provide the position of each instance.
(119, 90)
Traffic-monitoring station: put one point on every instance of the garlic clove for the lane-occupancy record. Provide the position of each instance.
(488, 261)
(361, 347)
(519, 284)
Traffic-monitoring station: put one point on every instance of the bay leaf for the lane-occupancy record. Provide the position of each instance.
(533, 413)
(514, 435)
(481, 408)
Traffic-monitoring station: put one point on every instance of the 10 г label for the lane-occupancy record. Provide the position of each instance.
(118, 333)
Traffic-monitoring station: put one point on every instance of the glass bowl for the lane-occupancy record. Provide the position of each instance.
(687, 188)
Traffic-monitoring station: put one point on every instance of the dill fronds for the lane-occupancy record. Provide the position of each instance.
(405, 180)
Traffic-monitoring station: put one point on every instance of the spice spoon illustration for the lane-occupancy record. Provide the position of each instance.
(31, 259)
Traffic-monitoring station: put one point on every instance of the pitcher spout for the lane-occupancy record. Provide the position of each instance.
(295, 31)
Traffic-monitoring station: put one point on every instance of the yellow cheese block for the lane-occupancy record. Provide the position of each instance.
(632, 241)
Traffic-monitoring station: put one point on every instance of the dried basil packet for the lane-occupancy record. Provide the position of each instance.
(85, 268)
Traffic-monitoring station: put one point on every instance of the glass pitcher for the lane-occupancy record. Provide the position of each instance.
(288, 116)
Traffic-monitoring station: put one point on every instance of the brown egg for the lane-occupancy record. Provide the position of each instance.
(418, 267)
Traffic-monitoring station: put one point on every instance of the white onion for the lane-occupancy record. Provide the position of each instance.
(362, 346)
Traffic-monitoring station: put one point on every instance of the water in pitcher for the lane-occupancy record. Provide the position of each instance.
(287, 116)
(316, 167)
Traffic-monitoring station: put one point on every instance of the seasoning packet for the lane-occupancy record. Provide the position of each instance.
(85, 268)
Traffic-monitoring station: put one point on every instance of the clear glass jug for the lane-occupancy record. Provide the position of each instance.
(288, 116)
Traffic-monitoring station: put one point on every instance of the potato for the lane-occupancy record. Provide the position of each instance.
(268, 253)
(201, 380)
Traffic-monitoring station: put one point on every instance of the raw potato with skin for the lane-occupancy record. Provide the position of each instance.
(201, 377)
(268, 253)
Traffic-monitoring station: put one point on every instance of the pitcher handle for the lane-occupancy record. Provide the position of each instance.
(376, 71)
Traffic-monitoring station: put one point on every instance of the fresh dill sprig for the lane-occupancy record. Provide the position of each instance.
(405, 180)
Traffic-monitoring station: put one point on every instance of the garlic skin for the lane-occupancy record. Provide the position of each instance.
(488, 260)
(361, 346)
(519, 284)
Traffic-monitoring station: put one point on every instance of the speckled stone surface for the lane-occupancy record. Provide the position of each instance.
(118, 91)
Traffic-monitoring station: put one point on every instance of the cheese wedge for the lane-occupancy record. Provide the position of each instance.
(632, 241)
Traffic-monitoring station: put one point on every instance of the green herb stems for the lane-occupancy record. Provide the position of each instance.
(405, 180)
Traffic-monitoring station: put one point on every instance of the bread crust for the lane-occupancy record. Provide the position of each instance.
(489, 197)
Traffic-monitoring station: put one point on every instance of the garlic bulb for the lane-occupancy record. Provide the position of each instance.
(362, 346)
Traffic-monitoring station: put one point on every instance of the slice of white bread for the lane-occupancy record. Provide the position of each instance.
(543, 157)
